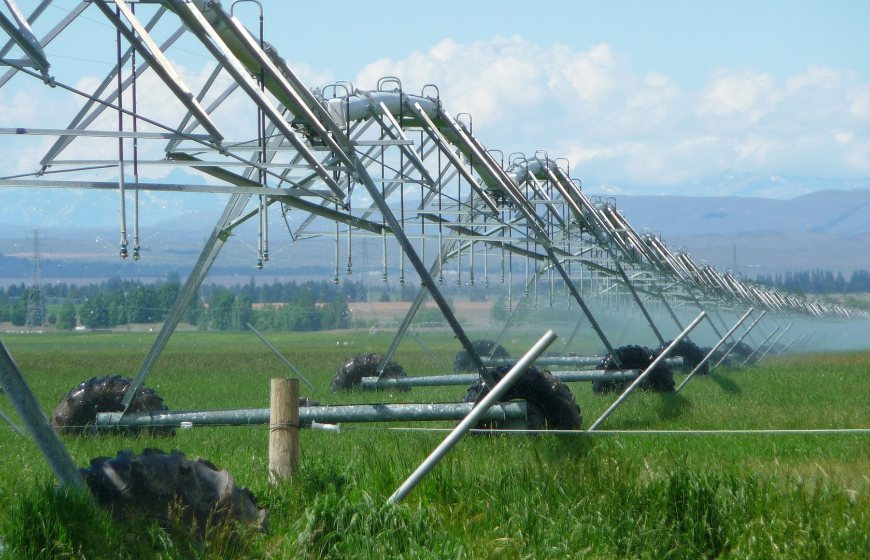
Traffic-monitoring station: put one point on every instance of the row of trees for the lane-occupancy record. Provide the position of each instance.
(308, 306)
(818, 282)
(15, 311)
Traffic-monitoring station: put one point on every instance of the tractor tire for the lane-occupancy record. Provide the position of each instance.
(714, 359)
(735, 357)
(487, 348)
(351, 373)
(741, 352)
(161, 486)
(551, 405)
(661, 379)
(691, 354)
(77, 411)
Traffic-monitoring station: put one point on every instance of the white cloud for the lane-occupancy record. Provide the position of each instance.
(857, 156)
(741, 97)
(816, 77)
(621, 127)
(17, 107)
(844, 137)
(753, 149)
(859, 102)
(480, 78)
(593, 74)
(655, 106)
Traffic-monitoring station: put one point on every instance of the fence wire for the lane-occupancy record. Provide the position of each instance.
(511, 431)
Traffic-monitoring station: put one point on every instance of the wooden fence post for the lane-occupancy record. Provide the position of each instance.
(283, 429)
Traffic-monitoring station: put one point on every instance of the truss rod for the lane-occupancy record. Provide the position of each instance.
(30, 19)
(141, 40)
(104, 133)
(20, 32)
(82, 118)
(199, 25)
(161, 187)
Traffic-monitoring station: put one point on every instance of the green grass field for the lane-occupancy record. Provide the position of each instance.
(512, 496)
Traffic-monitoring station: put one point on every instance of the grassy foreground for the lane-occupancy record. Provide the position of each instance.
(571, 496)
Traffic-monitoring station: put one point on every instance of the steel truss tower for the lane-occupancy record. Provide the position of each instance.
(35, 299)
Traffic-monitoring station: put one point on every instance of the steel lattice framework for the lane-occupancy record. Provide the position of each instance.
(385, 163)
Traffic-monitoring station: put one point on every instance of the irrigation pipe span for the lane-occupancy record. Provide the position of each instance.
(344, 428)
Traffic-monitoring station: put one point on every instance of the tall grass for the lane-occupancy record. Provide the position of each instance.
(605, 496)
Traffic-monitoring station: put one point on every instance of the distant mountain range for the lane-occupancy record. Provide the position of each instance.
(824, 230)
(755, 185)
(839, 213)
(820, 230)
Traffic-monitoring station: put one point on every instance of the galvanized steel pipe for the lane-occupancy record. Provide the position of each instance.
(371, 383)
(54, 451)
(565, 361)
(308, 414)
(549, 361)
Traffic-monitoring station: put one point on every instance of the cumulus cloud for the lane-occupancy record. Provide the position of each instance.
(859, 102)
(620, 127)
(475, 77)
(744, 97)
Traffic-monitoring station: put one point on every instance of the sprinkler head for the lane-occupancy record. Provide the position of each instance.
(259, 264)
(123, 252)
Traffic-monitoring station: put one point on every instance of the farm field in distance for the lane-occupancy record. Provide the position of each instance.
(509, 496)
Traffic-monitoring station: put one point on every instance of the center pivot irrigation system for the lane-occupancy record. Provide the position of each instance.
(387, 164)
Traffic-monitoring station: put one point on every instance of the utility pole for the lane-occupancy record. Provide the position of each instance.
(35, 301)
(734, 251)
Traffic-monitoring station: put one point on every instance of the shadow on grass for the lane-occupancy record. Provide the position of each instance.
(567, 447)
(673, 406)
(670, 406)
(726, 384)
(631, 424)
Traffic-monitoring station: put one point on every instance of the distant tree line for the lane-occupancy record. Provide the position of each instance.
(818, 282)
(306, 306)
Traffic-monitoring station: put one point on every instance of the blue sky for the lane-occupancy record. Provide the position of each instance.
(688, 40)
